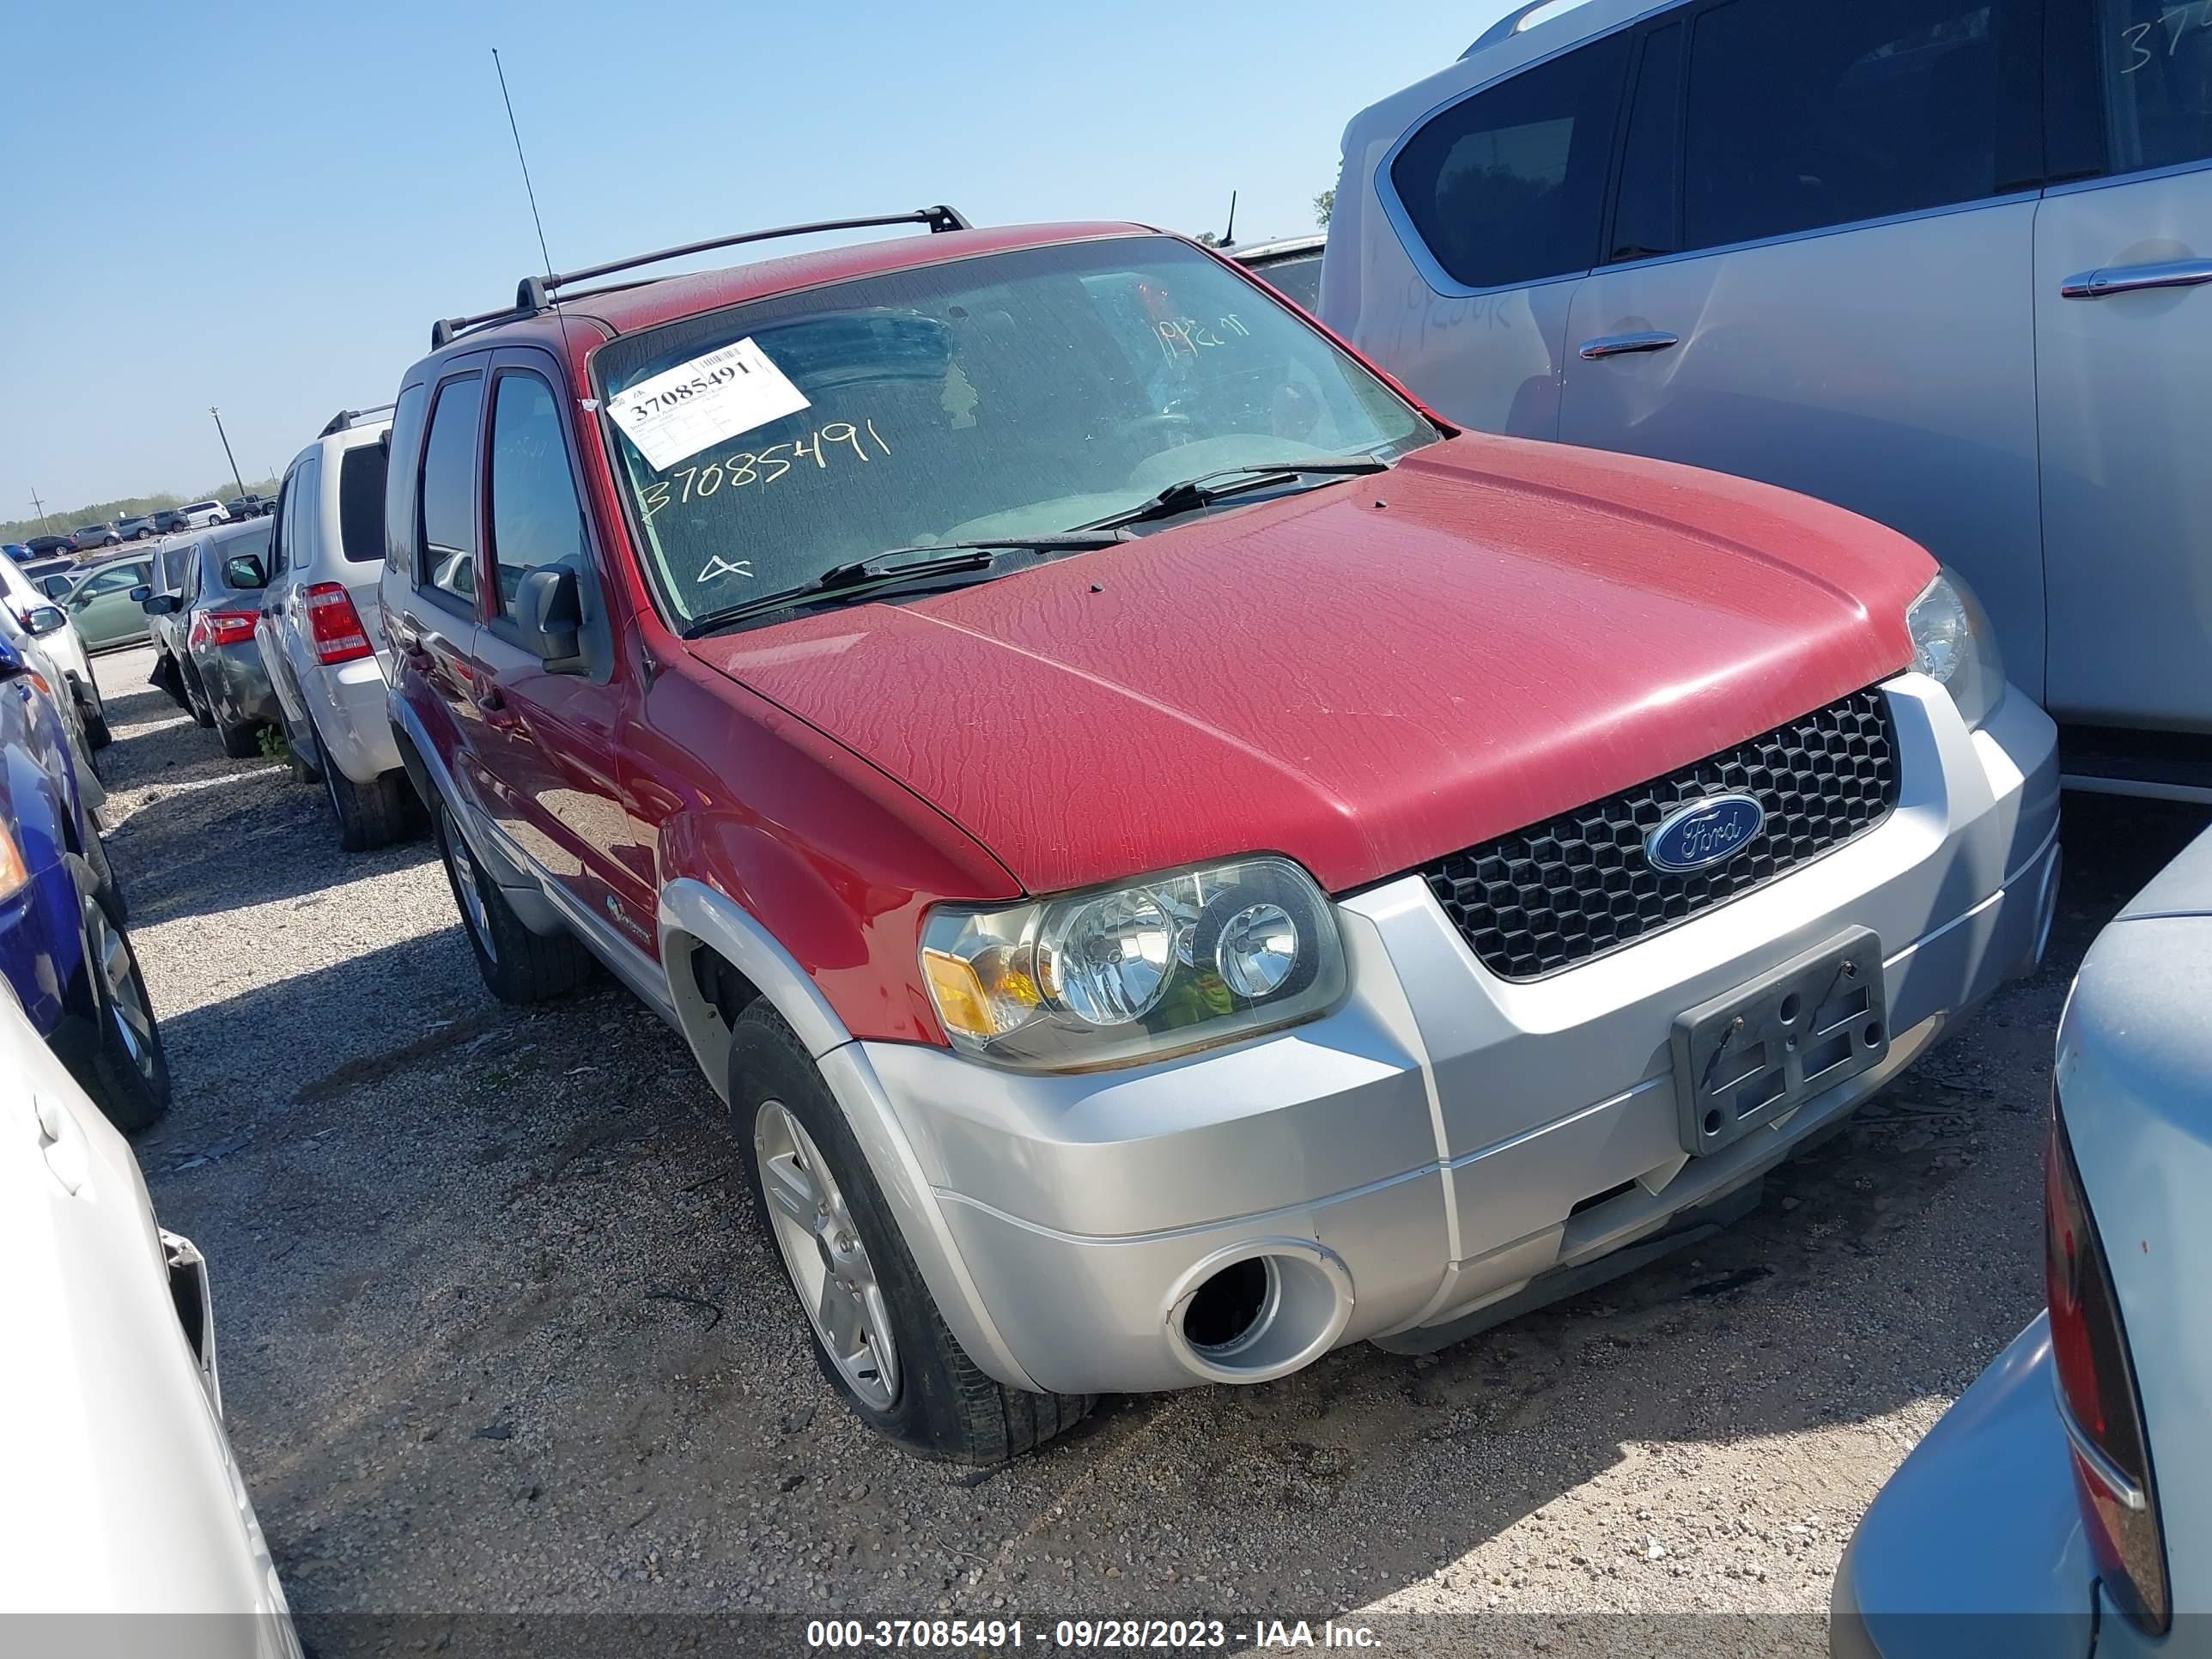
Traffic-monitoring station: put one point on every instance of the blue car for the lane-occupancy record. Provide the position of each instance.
(2063, 1506)
(16, 551)
(63, 942)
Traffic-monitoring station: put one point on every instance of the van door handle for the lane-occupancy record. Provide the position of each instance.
(1619, 345)
(2134, 279)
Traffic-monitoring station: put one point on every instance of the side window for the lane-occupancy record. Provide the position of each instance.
(404, 443)
(1804, 116)
(120, 580)
(302, 522)
(1508, 185)
(447, 528)
(535, 518)
(1646, 219)
(280, 546)
(360, 504)
(2157, 71)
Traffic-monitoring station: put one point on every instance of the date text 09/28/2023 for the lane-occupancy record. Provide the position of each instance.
(1168, 1634)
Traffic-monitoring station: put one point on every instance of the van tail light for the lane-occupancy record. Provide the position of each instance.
(222, 628)
(334, 624)
(2097, 1398)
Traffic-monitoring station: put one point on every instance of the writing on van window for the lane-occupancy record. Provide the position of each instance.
(674, 415)
(765, 466)
(1192, 335)
(718, 567)
(2175, 22)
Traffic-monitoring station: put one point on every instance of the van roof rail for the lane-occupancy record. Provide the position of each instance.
(533, 294)
(1512, 23)
(345, 419)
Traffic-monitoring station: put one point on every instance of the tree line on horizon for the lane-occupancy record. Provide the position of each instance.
(67, 519)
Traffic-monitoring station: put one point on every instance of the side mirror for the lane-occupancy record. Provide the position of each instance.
(43, 619)
(549, 612)
(244, 570)
(142, 593)
(162, 605)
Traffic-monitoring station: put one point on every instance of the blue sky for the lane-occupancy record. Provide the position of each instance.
(278, 200)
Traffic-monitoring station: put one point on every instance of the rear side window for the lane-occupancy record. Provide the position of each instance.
(448, 529)
(2157, 68)
(360, 504)
(1801, 117)
(299, 517)
(1645, 217)
(535, 519)
(1508, 185)
(398, 495)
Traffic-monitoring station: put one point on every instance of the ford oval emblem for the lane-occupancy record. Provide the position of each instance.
(1704, 834)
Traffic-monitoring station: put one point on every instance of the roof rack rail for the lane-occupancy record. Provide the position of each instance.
(345, 419)
(534, 294)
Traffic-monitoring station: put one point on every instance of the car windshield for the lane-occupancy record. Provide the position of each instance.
(1012, 394)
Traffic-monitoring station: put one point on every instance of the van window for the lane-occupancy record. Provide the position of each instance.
(398, 501)
(1645, 218)
(2157, 64)
(449, 490)
(1804, 115)
(1508, 185)
(360, 504)
(535, 518)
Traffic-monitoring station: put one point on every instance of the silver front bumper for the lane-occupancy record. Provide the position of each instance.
(1419, 1155)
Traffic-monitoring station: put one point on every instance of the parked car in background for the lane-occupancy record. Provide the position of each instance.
(163, 631)
(1676, 232)
(99, 603)
(321, 627)
(18, 552)
(49, 623)
(225, 685)
(2066, 1498)
(47, 547)
(90, 537)
(198, 515)
(111, 1314)
(1291, 266)
(64, 946)
(53, 577)
(136, 528)
(239, 508)
(1555, 842)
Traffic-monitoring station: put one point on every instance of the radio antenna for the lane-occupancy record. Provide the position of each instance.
(527, 188)
(1228, 236)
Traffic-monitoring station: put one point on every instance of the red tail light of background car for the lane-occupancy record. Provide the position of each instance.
(2098, 1400)
(222, 628)
(334, 624)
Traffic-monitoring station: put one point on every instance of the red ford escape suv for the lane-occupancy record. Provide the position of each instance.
(1177, 860)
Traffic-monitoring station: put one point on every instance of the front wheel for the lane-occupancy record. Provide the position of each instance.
(878, 1337)
(241, 741)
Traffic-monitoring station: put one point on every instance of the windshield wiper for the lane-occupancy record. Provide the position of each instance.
(877, 573)
(1209, 487)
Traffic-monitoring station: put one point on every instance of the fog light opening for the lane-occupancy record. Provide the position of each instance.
(1227, 1308)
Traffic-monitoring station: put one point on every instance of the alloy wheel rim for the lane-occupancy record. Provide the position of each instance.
(464, 883)
(126, 991)
(827, 1258)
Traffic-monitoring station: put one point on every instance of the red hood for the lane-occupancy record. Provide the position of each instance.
(1364, 677)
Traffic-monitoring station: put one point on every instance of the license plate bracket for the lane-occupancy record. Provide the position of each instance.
(1747, 1057)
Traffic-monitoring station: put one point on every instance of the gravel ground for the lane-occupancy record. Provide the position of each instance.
(498, 1335)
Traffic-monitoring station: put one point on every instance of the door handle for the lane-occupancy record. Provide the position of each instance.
(2134, 279)
(1620, 345)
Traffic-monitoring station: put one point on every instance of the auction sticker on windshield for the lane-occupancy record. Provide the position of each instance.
(682, 410)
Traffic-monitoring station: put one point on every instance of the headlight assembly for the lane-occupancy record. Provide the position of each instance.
(1138, 972)
(1953, 645)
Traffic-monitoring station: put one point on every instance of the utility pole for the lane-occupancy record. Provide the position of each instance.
(45, 522)
(227, 455)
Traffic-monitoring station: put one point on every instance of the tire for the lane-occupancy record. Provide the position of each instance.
(104, 881)
(242, 741)
(123, 1068)
(305, 753)
(93, 712)
(516, 965)
(195, 703)
(370, 815)
(936, 1401)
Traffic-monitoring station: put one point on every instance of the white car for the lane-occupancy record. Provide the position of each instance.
(63, 648)
(320, 629)
(1945, 262)
(121, 1495)
(198, 515)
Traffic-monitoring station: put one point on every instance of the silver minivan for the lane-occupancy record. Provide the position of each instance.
(1934, 260)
